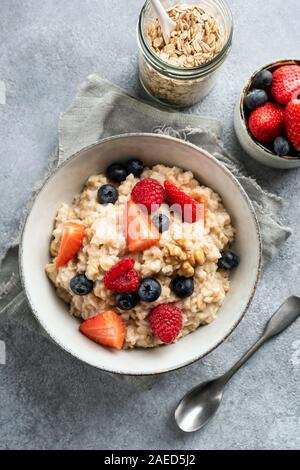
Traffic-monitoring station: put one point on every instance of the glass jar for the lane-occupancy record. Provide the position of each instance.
(174, 85)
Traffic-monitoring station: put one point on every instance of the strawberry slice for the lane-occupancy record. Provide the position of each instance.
(140, 231)
(71, 243)
(106, 328)
(190, 209)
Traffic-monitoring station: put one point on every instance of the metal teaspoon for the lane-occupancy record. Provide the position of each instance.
(199, 405)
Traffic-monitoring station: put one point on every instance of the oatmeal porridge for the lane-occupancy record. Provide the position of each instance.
(137, 271)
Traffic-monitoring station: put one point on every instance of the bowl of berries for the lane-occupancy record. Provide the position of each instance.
(267, 115)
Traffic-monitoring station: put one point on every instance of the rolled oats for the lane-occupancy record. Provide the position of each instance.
(196, 32)
(187, 256)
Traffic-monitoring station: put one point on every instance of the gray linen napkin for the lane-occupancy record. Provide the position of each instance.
(100, 110)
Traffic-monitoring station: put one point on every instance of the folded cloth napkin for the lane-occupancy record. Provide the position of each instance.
(100, 110)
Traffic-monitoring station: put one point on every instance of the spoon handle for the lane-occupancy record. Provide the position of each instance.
(159, 9)
(282, 318)
(166, 23)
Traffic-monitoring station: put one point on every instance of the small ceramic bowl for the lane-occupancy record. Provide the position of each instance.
(66, 182)
(256, 150)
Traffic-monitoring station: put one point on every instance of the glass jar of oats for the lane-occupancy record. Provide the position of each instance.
(182, 72)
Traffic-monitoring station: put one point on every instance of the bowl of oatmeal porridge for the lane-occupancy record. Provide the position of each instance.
(141, 254)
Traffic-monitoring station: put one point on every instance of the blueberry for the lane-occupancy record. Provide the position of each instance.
(107, 193)
(134, 166)
(81, 285)
(161, 222)
(182, 286)
(281, 146)
(116, 172)
(149, 289)
(228, 260)
(127, 301)
(256, 98)
(262, 79)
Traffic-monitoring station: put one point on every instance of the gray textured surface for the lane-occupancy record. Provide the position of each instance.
(48, 399)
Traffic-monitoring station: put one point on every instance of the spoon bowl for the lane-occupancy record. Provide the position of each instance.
(199, 405)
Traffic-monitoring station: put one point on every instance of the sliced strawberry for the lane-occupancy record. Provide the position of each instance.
(106, 328)
(71, 243)
(191, 210)
(140, 231)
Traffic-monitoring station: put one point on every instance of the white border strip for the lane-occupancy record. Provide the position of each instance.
(2, 353)
(2, 92)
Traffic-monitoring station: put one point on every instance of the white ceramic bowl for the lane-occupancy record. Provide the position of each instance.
(66, 182)
(253, 148)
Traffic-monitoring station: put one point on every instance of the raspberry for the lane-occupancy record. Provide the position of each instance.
(120, 268)
(148, 192)
(122, 277)
(166, 322)
(191, 210)
(128, 282)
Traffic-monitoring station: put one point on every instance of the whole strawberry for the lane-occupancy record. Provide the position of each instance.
(266, 123)
(286, 80)
(292, 121)
(166, 322)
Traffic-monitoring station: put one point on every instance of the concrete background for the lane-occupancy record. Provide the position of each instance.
(49, 400)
